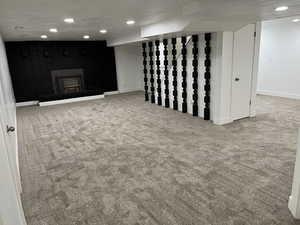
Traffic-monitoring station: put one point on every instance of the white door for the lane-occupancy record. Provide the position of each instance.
(8, 113)
(10, 203)
(243, 53)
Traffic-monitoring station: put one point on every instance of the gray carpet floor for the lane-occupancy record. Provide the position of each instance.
(123, 161)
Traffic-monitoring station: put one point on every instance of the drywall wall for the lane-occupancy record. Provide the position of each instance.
(222, 85)
(1, 222)
(129, 67)
(279, 66)
(10, 204)
(294, 200)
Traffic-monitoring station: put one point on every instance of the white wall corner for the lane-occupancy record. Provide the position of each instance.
(255, 69)
(222, 94)
(294, 201)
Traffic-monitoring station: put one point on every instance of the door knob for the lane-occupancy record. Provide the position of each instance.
(237, 79)
(10, 129)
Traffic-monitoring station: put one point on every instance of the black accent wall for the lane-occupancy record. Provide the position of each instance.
(31, 63)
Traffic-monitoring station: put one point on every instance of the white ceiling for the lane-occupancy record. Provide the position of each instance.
(28, 19)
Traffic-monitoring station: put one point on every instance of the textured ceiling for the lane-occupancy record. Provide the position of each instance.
(28, 19)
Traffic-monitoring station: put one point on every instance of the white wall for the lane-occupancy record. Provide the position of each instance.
(279, 67)
(10, 204)
(129, 64)
(294, 200)
(224, 52)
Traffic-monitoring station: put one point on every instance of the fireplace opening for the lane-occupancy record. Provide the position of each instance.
(68, 81)
(69, 85)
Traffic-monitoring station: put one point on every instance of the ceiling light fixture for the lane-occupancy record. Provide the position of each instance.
(296, 20)
(44, 36)
(53, 30)
(86, 37)
(130, 22)
(103, 31)
(281, 8)
(69, 20)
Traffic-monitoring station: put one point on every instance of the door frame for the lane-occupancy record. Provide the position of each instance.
(254, 73)
(257, 40)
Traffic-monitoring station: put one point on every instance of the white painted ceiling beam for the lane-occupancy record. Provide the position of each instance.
(163, 28)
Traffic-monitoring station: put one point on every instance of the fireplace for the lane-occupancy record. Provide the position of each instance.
(69, 85)
(67, 81)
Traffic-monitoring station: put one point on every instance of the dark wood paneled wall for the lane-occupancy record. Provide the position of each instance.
(31, 63)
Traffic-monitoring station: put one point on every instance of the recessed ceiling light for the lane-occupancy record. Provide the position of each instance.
(130, 22)
(86, 37)
(296, 20)
(44, 36)
(53, 30)
(69, 20)
(281, 8)
(103, 31)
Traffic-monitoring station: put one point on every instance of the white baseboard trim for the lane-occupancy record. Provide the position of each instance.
(222, 121)
(130, 90)
(111, 93)
(29, 103)
(278, 94)
(252, 113)
(70, 100)
(120, 92)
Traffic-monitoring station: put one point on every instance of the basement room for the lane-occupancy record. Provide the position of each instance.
(174, 112)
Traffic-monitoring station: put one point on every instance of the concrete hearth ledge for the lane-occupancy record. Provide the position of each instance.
(70, 100)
